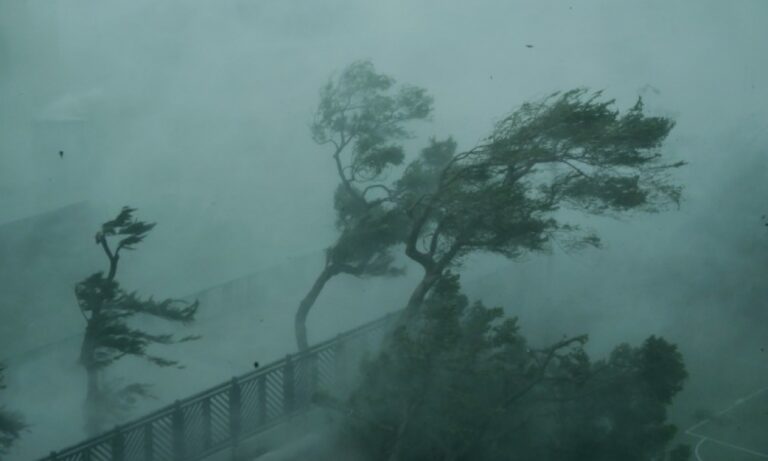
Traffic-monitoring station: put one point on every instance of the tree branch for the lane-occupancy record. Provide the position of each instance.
(113, 257)
(411, 251)
(435, 238)
(390, 192)
(550, 354)
(577, 169)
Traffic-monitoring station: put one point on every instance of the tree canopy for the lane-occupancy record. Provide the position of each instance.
(108, 309)
(467, 385)
(498, 197)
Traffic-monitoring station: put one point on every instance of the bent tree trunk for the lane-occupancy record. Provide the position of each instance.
(300, 321)
(420, 293)
(92, 405)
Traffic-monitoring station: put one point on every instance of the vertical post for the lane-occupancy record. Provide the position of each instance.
(340, 364)
(177, 428)
(149, 442)
(262, 399)
(207, 434)
(87, 454)
(314, 375)
(289, 395)
(234, 411)
(52, 456)
(118, 445)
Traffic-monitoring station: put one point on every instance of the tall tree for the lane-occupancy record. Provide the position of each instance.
(11, 423)
(498, 198)
(107, 309)
(362, 115)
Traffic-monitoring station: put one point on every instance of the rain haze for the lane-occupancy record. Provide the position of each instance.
(200, 116)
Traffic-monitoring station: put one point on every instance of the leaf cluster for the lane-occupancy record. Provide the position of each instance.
(460, 382)
(364, 115)
(126, 226)
(569, 150)
(364, 109)
(444, 388)
(109, 309)
(620, 413)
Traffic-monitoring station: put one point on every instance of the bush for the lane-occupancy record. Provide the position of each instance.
(461, 383)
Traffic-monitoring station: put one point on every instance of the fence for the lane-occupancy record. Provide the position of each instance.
(220, 417)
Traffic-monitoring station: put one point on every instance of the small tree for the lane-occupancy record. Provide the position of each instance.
(362, 115)
(107, 309)
(620, 411)
(464, 384)
(11, 423)
(497, 198)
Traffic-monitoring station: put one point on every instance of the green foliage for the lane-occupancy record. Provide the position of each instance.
(11, 423)
(363, 108)
(125, 225)
(460, 382)
(109, 311)
(620, 412)
(109, 308)
(364, 244)
(422, 176)
(568, 150)
(364, 116)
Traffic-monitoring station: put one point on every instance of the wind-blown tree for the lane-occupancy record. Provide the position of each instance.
(620, 412)
(571, 150)
(11, 423)
(464, 384)
(107, 309)
(362, 115)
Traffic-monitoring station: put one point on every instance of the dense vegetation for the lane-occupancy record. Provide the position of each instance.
(464, 384)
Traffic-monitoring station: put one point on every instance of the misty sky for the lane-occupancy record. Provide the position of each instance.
(198, 112)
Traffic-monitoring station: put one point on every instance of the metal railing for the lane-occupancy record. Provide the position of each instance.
(220, 417)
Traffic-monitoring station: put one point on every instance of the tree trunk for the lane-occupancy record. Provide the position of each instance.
(420, 292)
(92, 405)
(300, 321)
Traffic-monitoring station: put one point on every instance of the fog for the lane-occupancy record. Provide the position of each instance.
(198, 113)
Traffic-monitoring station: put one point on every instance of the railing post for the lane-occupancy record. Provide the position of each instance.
(118, 445)
(177, 427)
(52, 456)
(234, 411)
(314, 376)
(340, 364)
(207, 434)
(262, 397)
(149, 442)
(289, 395)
